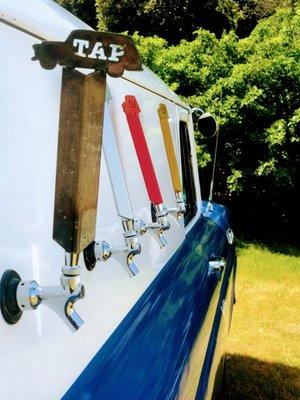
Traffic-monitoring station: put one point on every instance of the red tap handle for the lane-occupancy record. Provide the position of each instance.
(132, 110)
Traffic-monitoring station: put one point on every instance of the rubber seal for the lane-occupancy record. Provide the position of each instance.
(153, 213)
(89, 256)
(8, 300)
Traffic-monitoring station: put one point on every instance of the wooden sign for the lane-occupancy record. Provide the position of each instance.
(92, 50)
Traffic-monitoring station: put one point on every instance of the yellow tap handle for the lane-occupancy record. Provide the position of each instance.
(173, 165)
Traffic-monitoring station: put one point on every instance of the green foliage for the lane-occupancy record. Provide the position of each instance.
(232, 11)
(243, 15)
(83, 9)
(253, 85)
(189, 67)
(172, 20)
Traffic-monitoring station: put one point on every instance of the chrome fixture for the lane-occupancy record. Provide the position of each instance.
(18, 296)
(103, 251)
(157, 228)
(230, 235)
(208, 127)
(179, 210)
(216, 266)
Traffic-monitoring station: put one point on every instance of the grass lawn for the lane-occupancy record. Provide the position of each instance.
(263, 359)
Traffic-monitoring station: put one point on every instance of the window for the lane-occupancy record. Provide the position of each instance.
(188, 183)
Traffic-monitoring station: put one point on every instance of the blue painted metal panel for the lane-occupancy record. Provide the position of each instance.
(145, 357)
(218, 213)
(210, 353)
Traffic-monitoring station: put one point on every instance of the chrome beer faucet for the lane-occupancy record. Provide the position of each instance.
(157, 228)
(179, 210)
(22, 295)
(103, 251)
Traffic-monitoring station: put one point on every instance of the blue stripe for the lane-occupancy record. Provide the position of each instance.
(145, 357)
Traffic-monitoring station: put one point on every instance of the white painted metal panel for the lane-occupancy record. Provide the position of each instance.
(29, 110)
(43, 18)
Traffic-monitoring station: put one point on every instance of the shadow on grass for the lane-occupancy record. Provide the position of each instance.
(247, 378)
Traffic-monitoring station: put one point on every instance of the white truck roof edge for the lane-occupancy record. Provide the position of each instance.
(46, 20)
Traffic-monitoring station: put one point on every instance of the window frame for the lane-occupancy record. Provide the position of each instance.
(187, 172)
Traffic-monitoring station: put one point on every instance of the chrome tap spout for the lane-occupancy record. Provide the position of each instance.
(18, 296)
(60, 299)
(156, 229)
(30, 295)
(179, 210)
(102, 251)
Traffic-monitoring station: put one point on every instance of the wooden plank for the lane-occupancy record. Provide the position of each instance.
(78, 158)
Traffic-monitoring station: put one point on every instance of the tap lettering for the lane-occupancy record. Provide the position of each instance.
(97, 52)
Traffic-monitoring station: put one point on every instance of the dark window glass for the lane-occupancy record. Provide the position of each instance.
(188, 183)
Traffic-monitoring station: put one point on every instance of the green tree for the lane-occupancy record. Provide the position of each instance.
(232, 11)
(83, 9)
(253, 85)
(172, 20)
